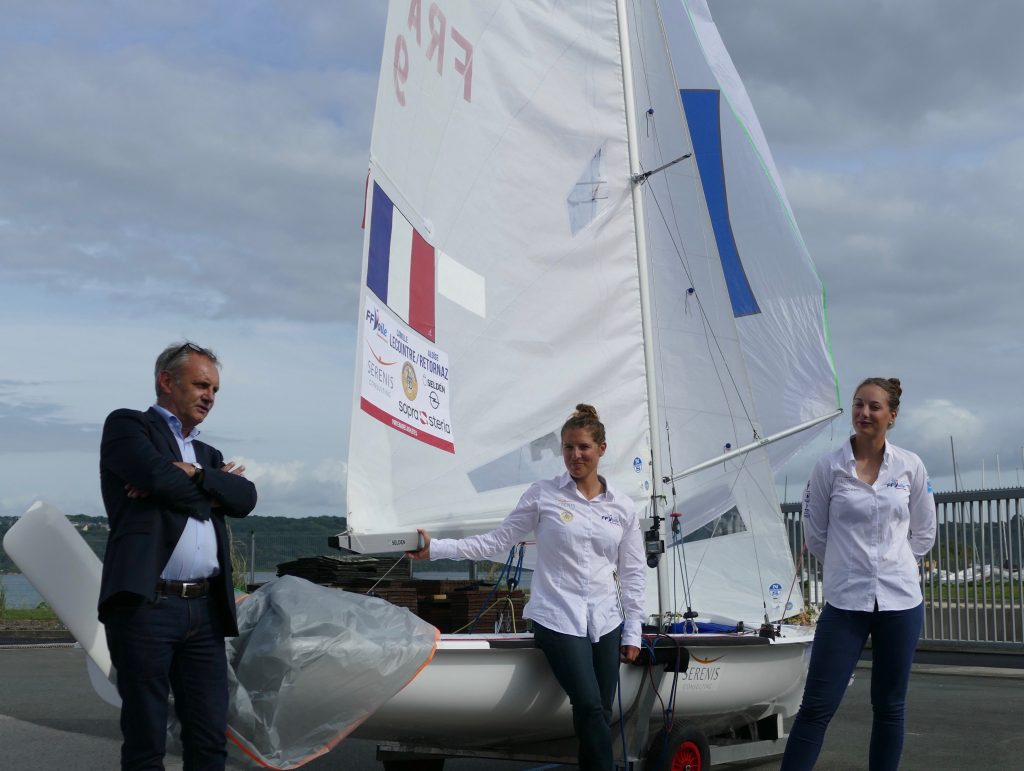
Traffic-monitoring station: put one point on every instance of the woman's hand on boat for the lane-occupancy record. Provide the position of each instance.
(423, 553)
(628, 653)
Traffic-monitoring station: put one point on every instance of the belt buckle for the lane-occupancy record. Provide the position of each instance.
(185, 587)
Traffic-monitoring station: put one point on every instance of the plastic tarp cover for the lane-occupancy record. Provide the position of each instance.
(311, 663)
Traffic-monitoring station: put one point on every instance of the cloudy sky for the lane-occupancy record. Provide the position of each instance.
(193, 169)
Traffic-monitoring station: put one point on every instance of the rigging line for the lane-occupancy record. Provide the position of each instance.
(677, 247)
(703, 313)
(753, 535)
(674, 233)
(684, 573)
(749, 523)
(796, 577)
(684, 579)
(718, 521)
(640, 49)
(772, 502)
(404, 556)
(680, 249)
(641, 32)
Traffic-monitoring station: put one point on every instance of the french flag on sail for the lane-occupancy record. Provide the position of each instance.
(400, 269)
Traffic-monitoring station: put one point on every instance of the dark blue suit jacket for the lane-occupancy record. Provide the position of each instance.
(138, 449)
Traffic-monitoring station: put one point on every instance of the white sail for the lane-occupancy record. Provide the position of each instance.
(499, 138)
(513, 267)
(739, 327)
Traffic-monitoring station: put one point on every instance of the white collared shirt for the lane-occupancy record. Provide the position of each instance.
(195, 555)
(870, 537)
(581, 545)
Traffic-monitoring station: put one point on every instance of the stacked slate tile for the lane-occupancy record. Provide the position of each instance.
(343, 571)
(455, 610)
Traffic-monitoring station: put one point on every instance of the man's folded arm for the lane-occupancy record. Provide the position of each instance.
(235, 494)
(127, 450)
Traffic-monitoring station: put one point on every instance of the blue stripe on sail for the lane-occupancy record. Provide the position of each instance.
(703, 114)
(380, 244)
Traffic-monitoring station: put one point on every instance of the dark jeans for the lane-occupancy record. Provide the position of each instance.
(170, 646)
(588, 672)
(838, 642)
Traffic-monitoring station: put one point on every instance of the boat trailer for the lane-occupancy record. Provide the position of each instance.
(681, 745)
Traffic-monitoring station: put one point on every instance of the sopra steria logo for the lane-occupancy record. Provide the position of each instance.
(376, 323)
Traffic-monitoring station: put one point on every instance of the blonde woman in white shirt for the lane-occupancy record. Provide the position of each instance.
(869, 516)
(588, 540)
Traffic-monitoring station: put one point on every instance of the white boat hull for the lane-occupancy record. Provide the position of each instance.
(477, 689)
(471, 693)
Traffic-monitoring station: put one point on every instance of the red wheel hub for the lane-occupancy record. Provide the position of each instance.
(687, 757)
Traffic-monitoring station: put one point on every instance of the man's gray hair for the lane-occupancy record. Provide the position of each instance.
(173, 358)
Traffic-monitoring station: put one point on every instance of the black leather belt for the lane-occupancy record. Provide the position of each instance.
(190, 590)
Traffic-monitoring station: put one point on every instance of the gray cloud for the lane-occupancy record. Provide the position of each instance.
(829, 76)
(143, 177)
(38, 428)
(896, 128)
(173, 160)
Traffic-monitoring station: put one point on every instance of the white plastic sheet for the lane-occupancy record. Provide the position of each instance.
(311, 663)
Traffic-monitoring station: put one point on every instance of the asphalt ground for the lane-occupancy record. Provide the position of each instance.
(958, 717)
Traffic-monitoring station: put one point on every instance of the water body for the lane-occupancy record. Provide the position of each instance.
(21, 594)
(19, 591)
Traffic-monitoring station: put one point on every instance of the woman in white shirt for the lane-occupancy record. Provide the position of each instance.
(869, 516)
(586, 598)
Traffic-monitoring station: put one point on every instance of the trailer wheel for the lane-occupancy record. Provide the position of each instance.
(684, 748)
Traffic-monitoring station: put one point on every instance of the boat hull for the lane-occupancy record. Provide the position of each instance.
(473, 691)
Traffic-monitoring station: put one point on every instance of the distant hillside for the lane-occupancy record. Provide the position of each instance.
(276, 539)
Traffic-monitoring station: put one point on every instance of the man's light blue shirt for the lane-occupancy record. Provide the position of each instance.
(195, 556)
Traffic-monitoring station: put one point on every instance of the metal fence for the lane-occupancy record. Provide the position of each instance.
(972, 579)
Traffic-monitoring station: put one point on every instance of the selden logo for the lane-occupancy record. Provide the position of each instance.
(376, 323)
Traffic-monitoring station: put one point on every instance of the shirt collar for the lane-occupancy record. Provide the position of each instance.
(566, 482)
(848, 452)
(174, 424)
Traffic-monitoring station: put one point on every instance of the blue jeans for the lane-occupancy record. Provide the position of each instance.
(169, 645)
(838, 642)
(589, 673)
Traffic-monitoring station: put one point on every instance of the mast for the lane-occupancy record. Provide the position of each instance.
(647, 322)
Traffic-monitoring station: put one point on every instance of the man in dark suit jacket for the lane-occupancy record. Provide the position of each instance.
(166, 597)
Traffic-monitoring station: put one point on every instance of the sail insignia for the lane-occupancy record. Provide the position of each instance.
(400, 268)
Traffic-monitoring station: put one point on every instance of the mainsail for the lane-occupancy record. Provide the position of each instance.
(518, 260)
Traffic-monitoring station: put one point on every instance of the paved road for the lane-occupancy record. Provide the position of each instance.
(958, 718)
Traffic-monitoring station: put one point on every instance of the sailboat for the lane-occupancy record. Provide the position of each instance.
(568, 202)
(575, 202)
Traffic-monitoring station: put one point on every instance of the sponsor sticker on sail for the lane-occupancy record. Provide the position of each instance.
(405, 379)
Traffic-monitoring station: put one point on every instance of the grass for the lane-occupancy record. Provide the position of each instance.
(981, 593)
(41, 612)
